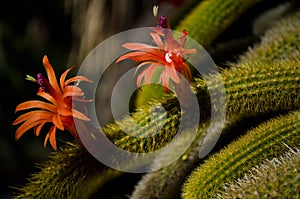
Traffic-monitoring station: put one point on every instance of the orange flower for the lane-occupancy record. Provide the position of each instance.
(168, 53)
(59, 110)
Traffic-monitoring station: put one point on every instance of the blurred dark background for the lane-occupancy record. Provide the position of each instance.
(65, 31)
(28, 30)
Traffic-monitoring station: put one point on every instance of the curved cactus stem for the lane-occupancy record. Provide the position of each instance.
(268, 140)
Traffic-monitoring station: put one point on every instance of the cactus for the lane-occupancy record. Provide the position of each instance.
(265, 141)
(166, 182)
(210, 18)
(69, 173)
(153, 184)
(265, 80)
(268, 18)
(276, 178)
(279, 42)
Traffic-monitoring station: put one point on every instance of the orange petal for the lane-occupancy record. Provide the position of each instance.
(139, 79)
(131, 55)
(137, 46)
(157, 40)
(36, 104)
(32, 121)
(46, 139)
(79, 115)
(147, 73)
(57, 122)
(183, 38)
(155, 55)
(159, 31)
(172, 73)
(72, 91)
(186, 71)
(51, 74)
(189, 51)
(142, 64)
(150, 70)
(77, 79)
(52, 133)
(39, 128)
(64, 111)
(165, 81)
(48, 97)
(25, 127)
(63, 77)
(35, 115)
(80, 99)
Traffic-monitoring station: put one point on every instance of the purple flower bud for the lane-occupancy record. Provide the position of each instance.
(41, 82)
(162, 22)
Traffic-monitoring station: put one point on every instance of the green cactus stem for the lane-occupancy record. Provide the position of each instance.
(211, 17)
(70, 173)
(265, 141)
(276, 178)
(282, 40)
(166, 182)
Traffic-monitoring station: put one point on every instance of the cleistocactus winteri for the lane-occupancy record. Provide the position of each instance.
(211, 17)
(275, 178)
(265, 141)
(264, 81)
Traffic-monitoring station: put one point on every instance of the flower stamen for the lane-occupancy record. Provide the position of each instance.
(167, 57)
(41, 82)
(162, 23)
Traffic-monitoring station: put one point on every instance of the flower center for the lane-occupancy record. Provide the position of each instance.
(168, 57)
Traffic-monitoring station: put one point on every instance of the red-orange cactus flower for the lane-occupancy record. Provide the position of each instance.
(169, 53)
(58, 110)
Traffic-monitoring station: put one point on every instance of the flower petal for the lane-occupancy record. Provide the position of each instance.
(64, 111)
(39, 128)
(155, 55)
(72, 91)
(51, 74)
(139, 79)
(79, 115)
(77, 79)
(138, 46)
(172, 73)
(142, 64)
(157, 40)
(81, 99)
(35, 104)
(63, 77)
(186, 72)
(35, 115)
(46, 138)
(189, 51)
(25, 127)
(165, 81)
(48, 97)
(183, 38)
(52, 133)
(160, 31)
(57, 122)
(149, 72)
